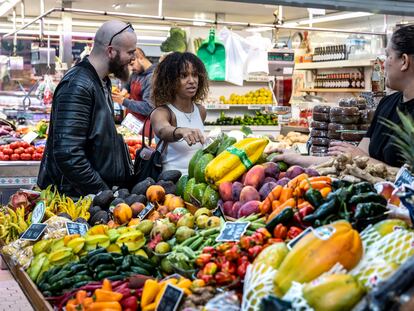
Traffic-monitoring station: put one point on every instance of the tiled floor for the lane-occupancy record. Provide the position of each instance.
(11, 295)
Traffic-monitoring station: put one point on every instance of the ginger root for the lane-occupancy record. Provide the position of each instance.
(327, 171)
(359, 173)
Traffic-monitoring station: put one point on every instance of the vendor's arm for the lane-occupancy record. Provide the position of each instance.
(293, 158)
(160, 121)
(144, 106)
(71, 122)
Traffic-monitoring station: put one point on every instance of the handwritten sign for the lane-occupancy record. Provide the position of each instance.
(29, 137)
(38, 212)
(404, 177)
(34, 232)
(171, 298)
(76, 228)
(144, 213)
(293, 242)
(232, 231)
(132, 124)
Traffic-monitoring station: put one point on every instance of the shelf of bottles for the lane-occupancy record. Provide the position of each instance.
(335, 64)
(354, 80)
(330, 53)
(340, 90)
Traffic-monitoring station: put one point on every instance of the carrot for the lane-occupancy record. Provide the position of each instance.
(286, 194)
(289, 203)
(275, 204)
(305, 183)
(297, 193)
(272, 196)
(297, 180)
(317, 185)
(325, 191)
(303, 204)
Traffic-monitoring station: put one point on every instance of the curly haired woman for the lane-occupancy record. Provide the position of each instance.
(180, 82)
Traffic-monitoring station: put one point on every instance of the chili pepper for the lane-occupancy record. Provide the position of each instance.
(242, 260)
(241, 269)
(363, 187)
(210, 268)
(232, 253)
(223, 247)
(280, 232)
(223, 278)
(203, 259)
(207, 278)
(258, 238)
(246, 242)
(228, 267)
(106, 295)
(365, 210)
(274, 240)
(254, 251)
(130, 303)
(293, 232)
(209, 250)
(323, 211)
(314, 197)
(265, 232)
(369, 197)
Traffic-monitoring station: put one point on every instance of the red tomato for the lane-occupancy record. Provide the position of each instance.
(19, 150)
(2, 147)
(24, 144)
(15, 145)
(39, 149)
(37, 156)
(15, 157)
(30, 150)
(7, 151)
(6, 157)
(26, 156)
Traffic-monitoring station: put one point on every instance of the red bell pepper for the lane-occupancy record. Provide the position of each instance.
(130, 303)
(246, 242)
(242, 260)
(210, 268)
(223, 278)
(241, 269)
(265, 232)
(209, 250)
(228, 267)
(254, 251)
(207, 278)
(280, 232)
(258, 238)
(306, 210)
(232, 253)
(293, 232)
(203, 259)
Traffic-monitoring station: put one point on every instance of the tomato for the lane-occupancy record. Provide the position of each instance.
(30, 150)
(132, 156)
(19, 150)
(2, 147)
(7, 151)
(40, 149)
(15, 145)
(130, 149)
(26, 156)
(37, 156)
(130, 142)
(6, 157)
(24, 144)
(15, 157)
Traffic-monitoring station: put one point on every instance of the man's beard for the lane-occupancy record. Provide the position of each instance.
(119, 70)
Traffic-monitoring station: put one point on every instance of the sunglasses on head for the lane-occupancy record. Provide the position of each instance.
(121, 31)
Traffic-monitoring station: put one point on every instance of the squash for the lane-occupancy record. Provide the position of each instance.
(122, 213)
(235, 160)
(318, 252)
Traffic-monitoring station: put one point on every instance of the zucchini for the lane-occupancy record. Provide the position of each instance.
(282, 218)
(104, 266)
(106, 273)
(139, 270)
(99, 259)
(58, 277)
(137, 262)
(78, 268)
(98, 250)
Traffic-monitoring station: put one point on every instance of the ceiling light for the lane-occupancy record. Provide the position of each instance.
(327, 18)
(7, 6)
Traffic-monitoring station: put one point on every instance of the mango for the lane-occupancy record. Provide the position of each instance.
(249, 193)
(225, 191)
(255, 176)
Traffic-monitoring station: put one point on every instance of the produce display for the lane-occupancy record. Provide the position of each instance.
(240, 231)
(262, 96)
(258, 119)
(20, 151)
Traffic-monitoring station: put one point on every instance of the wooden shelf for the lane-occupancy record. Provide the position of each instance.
(335, 64)
(334, 90)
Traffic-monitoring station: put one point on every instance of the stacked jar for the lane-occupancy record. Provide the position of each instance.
(319, 133)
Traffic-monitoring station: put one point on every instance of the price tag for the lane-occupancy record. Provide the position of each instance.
(170, 299)
(218, 106)
(254, 107)
(299, 237)
(38, 212)
(404, 177)
(144, 213)
(132, 124)
(29, 137)
(34, 232)
(76, 228)
(232, 231)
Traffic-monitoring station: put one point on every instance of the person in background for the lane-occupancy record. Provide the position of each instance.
(138, 87)
(84, 153)
(180, 83)
(378, 143)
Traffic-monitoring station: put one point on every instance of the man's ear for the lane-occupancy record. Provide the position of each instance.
(407, 61)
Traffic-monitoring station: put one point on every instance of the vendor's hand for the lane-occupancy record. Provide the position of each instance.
(340, 147)
(191, 136)
(118, 98)
(286, 155)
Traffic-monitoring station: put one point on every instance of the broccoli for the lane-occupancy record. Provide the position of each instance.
(176, 42)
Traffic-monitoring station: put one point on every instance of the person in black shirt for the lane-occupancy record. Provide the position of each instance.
(378, 142)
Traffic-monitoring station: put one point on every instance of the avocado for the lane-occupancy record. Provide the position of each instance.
(168, 185)
(81, 220)
(101, 217)
(142, 186)
(142, 199)
(65, 215)
(116, 201)
(131, 199)
(122, 193)
(181, 185)
(171, 175)
(201, 167)
(103, 199)
(94, 209)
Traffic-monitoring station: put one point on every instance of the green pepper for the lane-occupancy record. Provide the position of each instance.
(371, 209)
(338, 184)
(369, 197)
(328, 208)
(363, 187)
(314, 197)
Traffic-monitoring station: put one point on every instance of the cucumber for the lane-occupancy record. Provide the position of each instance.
(99, 259)
(139, 270)
(98, 250)
(104, 266)
(118, 277)
(106, 273)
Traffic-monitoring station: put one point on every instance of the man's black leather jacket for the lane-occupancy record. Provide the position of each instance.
(84, 153)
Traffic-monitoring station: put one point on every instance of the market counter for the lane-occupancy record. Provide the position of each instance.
(15, 175)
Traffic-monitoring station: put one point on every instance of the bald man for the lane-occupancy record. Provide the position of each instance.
(84, 153)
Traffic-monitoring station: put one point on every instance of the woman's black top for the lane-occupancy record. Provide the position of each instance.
(381, 145)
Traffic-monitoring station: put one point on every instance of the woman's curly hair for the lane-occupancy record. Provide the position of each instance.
(166, 78)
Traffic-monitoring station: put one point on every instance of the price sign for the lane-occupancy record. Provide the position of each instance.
(76, 228)
(218, 106)
(38, 212)
(132, 124)
(299, 237)
(144, 213)
(232, 231)
(171, 298)
(29, 137)
(254, 107)
(34, 232)
(404, 177)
